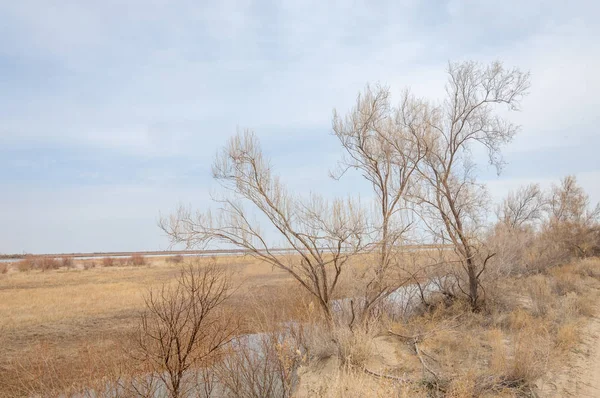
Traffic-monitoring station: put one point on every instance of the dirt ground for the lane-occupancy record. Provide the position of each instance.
(582, 378)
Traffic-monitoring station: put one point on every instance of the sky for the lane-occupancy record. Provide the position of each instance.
(111, 112)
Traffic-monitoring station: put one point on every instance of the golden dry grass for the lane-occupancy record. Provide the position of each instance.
(61, 329)
(52, 321)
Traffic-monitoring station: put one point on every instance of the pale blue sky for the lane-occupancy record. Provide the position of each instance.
(111, 111)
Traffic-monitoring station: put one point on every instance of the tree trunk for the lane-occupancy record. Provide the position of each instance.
(473, 285)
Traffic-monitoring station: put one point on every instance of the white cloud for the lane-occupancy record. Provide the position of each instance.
(155, 80)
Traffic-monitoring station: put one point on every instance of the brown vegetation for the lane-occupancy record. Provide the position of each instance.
(137, 259)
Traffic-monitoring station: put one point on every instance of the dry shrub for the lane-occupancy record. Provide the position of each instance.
(498, 297)
(137, 259)
(565, 281)
(3, 268)
(67, 262)
(120, 261)
(589, 267)
(108, 262)
(25, 265)
(516, 359)
(524, 251)
(315, 339)
(540, 293)
(184, 325)
(47, 263)
(586, 305)
(463, 386)
(89, 264)
(519, 319)
(513, 250)
(356, 346)
(43, 263)
(572, 306)
(567, 335)
(260, 365)
(530, 356)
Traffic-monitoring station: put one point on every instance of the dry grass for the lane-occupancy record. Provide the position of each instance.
(62, 328)
(504, 350)
(66, 313)
(355, 347)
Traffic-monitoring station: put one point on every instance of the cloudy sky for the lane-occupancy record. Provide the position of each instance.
(111, 111)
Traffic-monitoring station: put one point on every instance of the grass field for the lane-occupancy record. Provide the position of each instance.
(68, 328)
(54, 323)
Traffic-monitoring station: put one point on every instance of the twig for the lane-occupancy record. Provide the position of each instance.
(386, 376)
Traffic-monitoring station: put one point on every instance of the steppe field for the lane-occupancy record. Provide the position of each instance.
(64, 327)
(73, 330)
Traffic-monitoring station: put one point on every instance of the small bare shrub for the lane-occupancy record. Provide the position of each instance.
(529, 357)
(137, 259)
(589, 267)
(356, 346)
(540, 294)
(572, 306)
(3, 268)
(47, 263)
(566, 282)
(25, 265)
(67, 262)
(184, 326)
(108, 262)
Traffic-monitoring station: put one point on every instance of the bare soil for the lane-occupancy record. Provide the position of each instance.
(581, 377)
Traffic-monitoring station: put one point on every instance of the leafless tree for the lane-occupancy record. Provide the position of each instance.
(453, 204)
(322, 234)
(573, 222)
(184, 327)
(570, 203)
(525, 206)
(385, 144)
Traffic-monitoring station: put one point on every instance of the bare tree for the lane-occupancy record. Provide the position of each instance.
(570, 203)
(453, 204)
(323, 235)
(183, 327)
(573, 222)
(525, 206)
(385, 144)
